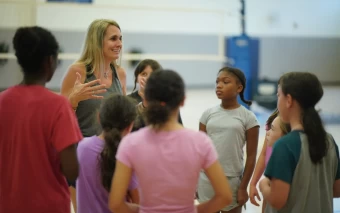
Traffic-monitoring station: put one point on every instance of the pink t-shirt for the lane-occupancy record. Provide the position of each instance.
(167, 166)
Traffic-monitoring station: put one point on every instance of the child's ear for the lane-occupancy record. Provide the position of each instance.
(182, 102)
(128, 129)
(130, 126)
(239, 88)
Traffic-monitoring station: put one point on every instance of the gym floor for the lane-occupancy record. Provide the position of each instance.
(199, 100)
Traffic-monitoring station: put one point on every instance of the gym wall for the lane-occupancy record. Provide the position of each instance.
(189, 37)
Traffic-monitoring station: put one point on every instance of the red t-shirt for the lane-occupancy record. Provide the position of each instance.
(35, 125)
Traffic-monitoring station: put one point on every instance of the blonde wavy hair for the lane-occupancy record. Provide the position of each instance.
(92, 54)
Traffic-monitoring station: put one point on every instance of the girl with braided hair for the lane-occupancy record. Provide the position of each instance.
(231, 126)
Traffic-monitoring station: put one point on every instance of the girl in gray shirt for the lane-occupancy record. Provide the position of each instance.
(231, 126)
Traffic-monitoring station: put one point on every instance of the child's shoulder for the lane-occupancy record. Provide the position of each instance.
(245, 110)
(212, 109)
(195, 138)
(245, 113)
(292, 139)
(138, 133)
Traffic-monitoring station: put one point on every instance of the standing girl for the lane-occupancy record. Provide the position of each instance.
(231, 126)
(303, 173)
(166, 157)
(97, 156)
(276, 129)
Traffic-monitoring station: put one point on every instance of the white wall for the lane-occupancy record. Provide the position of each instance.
(307, 18)
(14, 13)
(134, 17)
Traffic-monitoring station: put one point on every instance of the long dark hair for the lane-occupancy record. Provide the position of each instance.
(142, 65)
(241, 78)
(116, 114)
(306, 89)
(164, 92)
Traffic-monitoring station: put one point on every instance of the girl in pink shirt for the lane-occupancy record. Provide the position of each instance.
(166, 157)
(275, 129)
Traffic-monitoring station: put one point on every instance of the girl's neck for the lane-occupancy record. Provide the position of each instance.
(296, 125)
(295, 120)
(230, 104)
(33, 81)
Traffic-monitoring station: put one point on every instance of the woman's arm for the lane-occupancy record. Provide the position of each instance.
(119, 187)
(75, 74)
(122, 78)
(75, 90)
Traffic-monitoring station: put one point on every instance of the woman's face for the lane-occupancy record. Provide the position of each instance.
(143, 76)
(112, 44)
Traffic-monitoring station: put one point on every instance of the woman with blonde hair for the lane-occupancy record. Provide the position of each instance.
(94, 76)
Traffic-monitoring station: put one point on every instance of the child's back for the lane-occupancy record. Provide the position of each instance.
(167, 158)
(310, 189)
(36, 125)
(167, 165)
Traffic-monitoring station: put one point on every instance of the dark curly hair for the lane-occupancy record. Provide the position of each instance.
(32, 46)
(164, 92)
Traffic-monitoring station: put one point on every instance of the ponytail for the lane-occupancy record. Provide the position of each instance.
(316, 134)
(108, 156)
(157, 113)
(244, 100)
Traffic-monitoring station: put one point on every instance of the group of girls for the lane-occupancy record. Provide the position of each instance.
(160, 165)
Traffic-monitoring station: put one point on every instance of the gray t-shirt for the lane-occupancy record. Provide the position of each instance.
(311, 185)
(227, 129)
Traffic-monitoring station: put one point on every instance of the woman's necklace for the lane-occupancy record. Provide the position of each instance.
(106, 74)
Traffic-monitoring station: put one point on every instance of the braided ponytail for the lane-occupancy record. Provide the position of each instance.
(244, 100)
(108, 156)
(116, 114)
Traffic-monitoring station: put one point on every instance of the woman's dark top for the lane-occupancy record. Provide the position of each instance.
(140, 123)
(87, 110)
